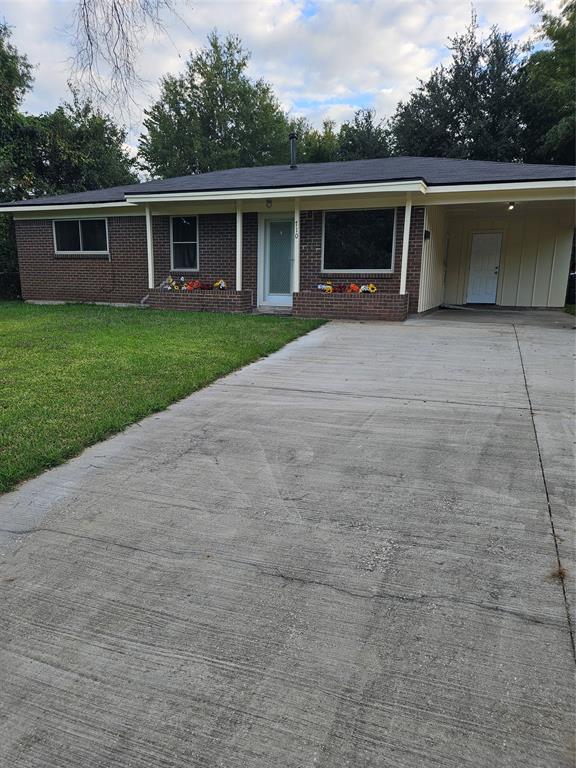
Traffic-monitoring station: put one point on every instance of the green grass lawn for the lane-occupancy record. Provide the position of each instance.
(570, 308)
(71, 375)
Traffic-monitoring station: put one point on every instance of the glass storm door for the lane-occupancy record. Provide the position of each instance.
(279, 237)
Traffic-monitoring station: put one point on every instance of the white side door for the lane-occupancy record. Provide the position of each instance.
(484, 267)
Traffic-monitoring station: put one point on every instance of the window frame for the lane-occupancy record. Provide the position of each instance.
(185, 242)
(81, 252)
(389, 271)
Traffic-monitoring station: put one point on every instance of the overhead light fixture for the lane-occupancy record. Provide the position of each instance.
(268, 203)
(511, 206)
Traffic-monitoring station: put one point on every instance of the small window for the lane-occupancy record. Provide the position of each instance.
(81, 236)
(359, 241)
(185, 243)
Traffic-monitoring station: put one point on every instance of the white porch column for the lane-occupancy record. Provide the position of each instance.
(405, 243)
(238, 245)
(149, 247)
(296, 263)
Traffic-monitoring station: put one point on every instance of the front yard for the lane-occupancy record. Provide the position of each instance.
(72, 375)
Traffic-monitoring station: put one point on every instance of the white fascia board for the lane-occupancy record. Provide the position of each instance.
(262, 194)
(66, 207)
(512, 186)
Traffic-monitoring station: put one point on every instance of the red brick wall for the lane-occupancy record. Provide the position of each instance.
(124, 278)
(415, 258)
(128, 258)
(250, 254)
(216, 249)
(311, 257)
(47, 277)
(350, 306)
(202, 301)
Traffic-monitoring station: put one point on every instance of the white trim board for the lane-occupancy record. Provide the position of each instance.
(276, 192)
(31, 209)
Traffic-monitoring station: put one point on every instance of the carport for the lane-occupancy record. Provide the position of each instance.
(507, 253)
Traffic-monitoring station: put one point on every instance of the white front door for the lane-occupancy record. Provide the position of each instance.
(484, 267)
(278, 254)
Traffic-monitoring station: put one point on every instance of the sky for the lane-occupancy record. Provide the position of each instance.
(324, 58)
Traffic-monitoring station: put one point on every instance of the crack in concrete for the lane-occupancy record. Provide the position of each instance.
(548, 503)
(107, 542)
(356, 396)
(421, 598)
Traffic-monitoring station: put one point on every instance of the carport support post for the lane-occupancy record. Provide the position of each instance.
(296, 255)
(405, 243)
(238, 245)
(149, 248)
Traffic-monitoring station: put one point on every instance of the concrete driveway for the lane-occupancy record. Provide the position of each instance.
(339, 556)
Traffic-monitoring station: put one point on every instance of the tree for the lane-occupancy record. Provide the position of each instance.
(469, 108)
(15, 81)
(74, 148)
(548, 80)
(363, 138)
(317, 146)
(106, 38)
(213, 116)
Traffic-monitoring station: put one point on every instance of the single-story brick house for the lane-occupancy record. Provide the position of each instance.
(420, 231)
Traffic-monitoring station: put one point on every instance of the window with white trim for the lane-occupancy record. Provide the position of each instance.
(81, 236)
(184, 238)
(359, 241)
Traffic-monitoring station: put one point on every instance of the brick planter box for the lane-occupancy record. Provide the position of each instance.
(201, 301)
(350, 306)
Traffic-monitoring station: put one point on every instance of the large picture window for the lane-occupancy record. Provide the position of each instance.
(185, 243)
(359, 241)
(81, 236)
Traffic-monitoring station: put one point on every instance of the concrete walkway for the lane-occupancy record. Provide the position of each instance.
(339, 556)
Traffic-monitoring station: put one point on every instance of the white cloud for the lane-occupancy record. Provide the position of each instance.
(324, 59)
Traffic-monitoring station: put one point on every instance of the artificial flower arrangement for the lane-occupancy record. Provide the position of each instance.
(186, 286)
(327, 287)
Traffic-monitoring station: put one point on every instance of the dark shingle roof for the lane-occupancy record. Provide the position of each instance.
(432, 170)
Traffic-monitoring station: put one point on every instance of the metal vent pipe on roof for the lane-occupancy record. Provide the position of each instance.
(292, 138)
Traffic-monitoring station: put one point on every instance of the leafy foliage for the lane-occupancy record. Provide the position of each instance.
(213, 116)
(15, 81)
(76, 147)
(71, 149)
(467, 109)
(317, 146)
(548, 81)
(363, 137)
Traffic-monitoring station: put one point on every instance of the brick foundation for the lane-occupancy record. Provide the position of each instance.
(201, 301)
(350, 306)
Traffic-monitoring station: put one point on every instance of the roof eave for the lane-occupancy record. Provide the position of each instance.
(282, 192)
(61, 206)
(566, 189)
